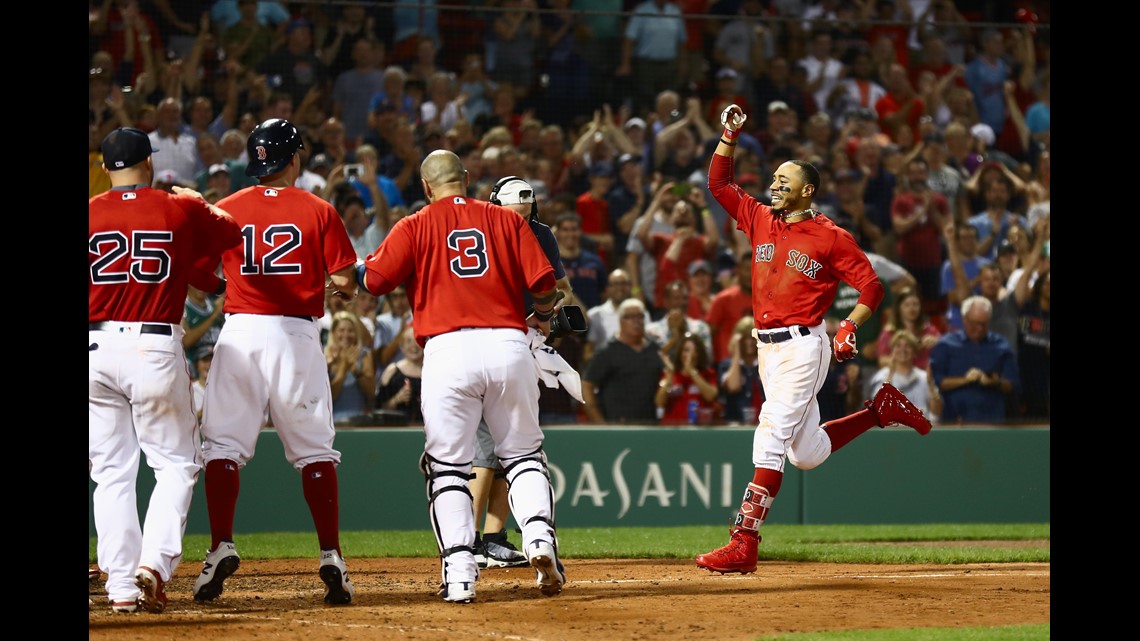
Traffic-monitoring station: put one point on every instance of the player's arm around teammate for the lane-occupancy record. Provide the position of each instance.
(145, 245)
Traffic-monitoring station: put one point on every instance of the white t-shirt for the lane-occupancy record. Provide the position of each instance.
(310, 181)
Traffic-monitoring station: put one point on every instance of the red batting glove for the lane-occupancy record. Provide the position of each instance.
(844, 347)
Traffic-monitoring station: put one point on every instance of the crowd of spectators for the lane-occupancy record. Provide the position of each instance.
(928, 121)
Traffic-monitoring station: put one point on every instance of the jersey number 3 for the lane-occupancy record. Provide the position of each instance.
(472, 247)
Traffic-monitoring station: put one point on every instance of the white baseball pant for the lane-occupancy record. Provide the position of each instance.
(140, 400)
(792, 373)
(488, 373)
(271, 366)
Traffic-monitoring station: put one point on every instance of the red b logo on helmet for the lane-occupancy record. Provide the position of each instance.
(261, 155)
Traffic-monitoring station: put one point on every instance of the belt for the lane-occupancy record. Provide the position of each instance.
(781, 336)
(144, 328)
(304, 318)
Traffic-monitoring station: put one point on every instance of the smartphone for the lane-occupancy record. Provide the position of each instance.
(353, 170)
(681, 189)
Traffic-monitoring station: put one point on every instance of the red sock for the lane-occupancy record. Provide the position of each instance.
(223, 480)
(318, 480)
(843, 431)
(769, 480)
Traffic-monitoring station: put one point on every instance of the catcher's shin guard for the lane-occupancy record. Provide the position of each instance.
(452, 517)
(531, 496)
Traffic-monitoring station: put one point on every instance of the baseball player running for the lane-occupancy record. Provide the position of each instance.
(268, 359)
(144, 246)
(489, 485)
(799, 258)
(464, 262)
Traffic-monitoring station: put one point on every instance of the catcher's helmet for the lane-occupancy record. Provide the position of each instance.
(271, 146)
(513, 190)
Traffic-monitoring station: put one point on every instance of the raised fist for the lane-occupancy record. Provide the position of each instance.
(732, 118)
(844, 347)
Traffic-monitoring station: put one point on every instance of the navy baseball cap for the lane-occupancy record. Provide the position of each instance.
(602, 168)
(126, 147)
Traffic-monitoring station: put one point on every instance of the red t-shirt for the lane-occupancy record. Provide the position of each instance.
(595, 215)
(796, 267)
(728, 307)
(685, 390)
(696, 308)
(921, 245)
(293, 240)
(463, 262)
(144, 246)
(694, 248)
(888, 105)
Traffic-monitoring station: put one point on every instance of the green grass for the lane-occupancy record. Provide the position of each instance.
(999, 633)
(826, 543)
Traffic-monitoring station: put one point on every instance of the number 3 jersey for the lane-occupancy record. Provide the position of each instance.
(291, 239)
(144, 246)
(463, 262)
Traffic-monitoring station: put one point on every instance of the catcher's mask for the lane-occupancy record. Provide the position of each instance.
(513, 190)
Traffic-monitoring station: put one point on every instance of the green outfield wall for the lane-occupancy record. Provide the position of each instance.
(676, 476)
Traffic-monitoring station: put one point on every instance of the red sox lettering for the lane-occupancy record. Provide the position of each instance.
(804, 263)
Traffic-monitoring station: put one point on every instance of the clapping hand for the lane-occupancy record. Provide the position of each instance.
(689, 364)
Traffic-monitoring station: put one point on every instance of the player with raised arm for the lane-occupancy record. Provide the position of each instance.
(463, 263)
(144, 246)
(799, 258)
(268, 359)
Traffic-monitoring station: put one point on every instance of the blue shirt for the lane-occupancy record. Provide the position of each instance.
(969, 265)
(1037, 118)
(739, 407)
(987, 83)
(226, 13)
(410, 19)
(657, 32)
(588, 275)
(985, 227)
(954, 355)
(388, 187)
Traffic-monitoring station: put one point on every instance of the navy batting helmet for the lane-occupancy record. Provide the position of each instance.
(271, 146)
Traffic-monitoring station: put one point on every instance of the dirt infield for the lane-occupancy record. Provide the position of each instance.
(605, 599)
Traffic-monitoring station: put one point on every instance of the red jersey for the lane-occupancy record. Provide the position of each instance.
(728, 306)
(888, 105)
(797, 267)
(144, 245)
(694, 248)
(595, 215)
(463, 263)
(921, 245)
(292, 240)
(683, 391)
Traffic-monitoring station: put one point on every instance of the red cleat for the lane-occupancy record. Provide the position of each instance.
(892, 407)
(153, 588)
(738, 556)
